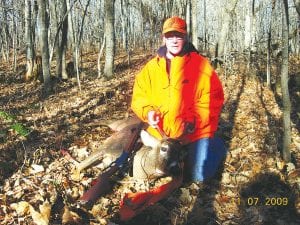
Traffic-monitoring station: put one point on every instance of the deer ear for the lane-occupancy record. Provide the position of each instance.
(148, 140)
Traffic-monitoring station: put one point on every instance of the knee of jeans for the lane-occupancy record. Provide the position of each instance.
(204, 159)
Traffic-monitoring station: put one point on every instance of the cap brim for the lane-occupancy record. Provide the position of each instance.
(175, 29)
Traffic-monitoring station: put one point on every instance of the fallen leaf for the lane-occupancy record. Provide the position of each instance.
(223, 198)
(36, 169)
(42, 217)
(82, 152)
(76, 176)
(38, 218)
(45, 210)
(22, 208)
(294, 174)
(280, 164)
(290, 167)
(70, 217)
(75, 192)
(226, 178)
(256, 168)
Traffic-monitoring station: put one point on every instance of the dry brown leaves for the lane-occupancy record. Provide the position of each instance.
(41, 190)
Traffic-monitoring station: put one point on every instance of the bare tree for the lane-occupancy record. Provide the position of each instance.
(34, 19)
(188, 17)
(14, 40)
(167, 8)
(125, 26)
(297, 4)
(252, 33)
(28, 39)
(64, 40)
(71, 32)
(61, 37)
(124, 22)
(78, 42)
(205, 27)
(228, 15)
(138, 23)
(269, 46)
(43, 41)
(53, 5)
(5, 30)
(110, 39)
(284, 84)
(194, 11)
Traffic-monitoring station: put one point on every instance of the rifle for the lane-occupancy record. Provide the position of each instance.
(104, 183)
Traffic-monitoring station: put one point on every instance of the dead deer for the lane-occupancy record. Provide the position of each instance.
(156, 158)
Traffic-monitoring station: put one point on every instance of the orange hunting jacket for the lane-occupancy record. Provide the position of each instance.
(190, 93)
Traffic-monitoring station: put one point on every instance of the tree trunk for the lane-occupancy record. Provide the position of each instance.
(109, 39)
(5, 30)
(284, 85)
(269, 59)
(29, 42)
(77, 45)
(253, 27)
(252, 49)
(14, 37)
(61, 45)
(188, 17)
(44, 48)
(35, 40)
(64, 41)
(297, 4)
(71, 32)
(204, 29)
(228, 14)
(55, 47)
(269, 46)
(124, 23)
(168, 8)
(82, 23)
(194, 10)
(128, 49)
(101, 47)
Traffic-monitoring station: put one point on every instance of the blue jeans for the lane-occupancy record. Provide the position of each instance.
(204, 158)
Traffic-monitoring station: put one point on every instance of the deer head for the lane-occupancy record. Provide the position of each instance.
(157, 157)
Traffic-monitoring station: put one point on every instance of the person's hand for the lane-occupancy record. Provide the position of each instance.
(189, 128)
(153, 118)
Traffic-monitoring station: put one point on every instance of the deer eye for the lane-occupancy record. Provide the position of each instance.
(164, 149)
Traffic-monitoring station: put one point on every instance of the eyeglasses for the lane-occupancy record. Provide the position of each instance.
(174, 37)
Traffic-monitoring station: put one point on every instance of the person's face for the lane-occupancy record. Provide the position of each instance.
(174, 42)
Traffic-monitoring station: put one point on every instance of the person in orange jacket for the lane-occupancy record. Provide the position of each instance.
(179, 92)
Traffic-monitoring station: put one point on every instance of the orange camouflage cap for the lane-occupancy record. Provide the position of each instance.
(174, 24)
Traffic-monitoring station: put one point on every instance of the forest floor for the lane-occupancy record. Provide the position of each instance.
(255, 186)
